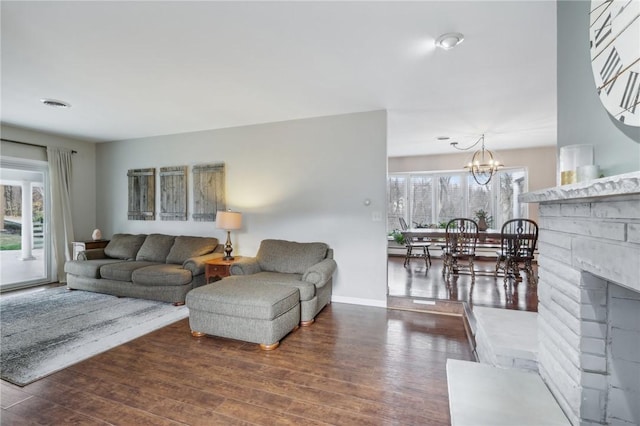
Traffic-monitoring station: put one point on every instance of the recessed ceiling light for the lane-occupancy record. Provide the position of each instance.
(55, 103)
(449, 40)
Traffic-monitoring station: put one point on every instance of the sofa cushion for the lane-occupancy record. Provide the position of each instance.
(156, 248)
(124, 246)
(307, 290)
(186, 247)
(122, 271)
(288, 256)
(162, 275)
(89, 269)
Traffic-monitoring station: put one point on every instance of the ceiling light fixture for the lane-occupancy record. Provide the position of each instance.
(55, 103)
(483, 164)
(449, 40)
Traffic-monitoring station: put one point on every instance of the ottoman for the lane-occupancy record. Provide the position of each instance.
(237, 309)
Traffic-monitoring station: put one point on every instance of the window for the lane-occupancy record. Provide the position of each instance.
(397, 193)
(449, 201)
(432, 199)
(421, 200)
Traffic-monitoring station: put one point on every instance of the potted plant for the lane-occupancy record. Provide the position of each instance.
(398, 237)
(484, 220)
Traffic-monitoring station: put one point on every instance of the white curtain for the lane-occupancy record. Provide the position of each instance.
(61, 224)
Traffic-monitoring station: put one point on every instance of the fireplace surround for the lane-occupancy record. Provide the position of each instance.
(589, 298)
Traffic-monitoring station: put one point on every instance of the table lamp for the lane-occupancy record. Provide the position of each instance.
(228, 221)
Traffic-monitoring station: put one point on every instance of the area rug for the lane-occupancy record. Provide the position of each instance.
(48, 330)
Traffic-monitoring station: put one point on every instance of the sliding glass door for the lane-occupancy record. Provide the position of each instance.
(25, 258)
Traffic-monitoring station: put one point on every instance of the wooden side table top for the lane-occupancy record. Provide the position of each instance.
(221, 261)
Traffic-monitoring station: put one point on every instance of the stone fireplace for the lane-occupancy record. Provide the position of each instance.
(589, 298)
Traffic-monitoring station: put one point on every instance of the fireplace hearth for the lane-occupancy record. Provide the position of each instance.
(589, 298)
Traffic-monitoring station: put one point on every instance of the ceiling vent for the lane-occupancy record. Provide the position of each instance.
(55, 103)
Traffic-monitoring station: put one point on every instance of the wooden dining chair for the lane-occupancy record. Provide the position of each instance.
(518, 240)
(461, 238)
(412, 243)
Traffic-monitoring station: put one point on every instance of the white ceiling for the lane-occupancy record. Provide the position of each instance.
(138, 69)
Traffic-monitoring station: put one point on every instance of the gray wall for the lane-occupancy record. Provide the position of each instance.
(83, 183)
(303, 180)
(581, 117)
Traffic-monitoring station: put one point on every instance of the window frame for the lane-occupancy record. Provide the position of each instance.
(463, 175)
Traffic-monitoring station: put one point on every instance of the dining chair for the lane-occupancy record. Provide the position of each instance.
(461, 238)
(518, 240)
(412, 242)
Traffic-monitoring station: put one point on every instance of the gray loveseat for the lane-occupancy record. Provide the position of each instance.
(156, 266)
(309, 267)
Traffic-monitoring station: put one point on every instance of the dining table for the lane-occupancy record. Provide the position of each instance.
(438, 234)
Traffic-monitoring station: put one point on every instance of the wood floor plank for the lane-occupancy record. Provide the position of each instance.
(11, 394)
(41, 411)
(355, 365)
(417, 281)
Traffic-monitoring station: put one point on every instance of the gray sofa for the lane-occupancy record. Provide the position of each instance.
(156, 266)
(309, 267)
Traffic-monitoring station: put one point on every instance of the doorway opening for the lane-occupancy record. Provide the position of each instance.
(25, 255)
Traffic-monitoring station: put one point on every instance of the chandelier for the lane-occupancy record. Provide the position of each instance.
(483, 164)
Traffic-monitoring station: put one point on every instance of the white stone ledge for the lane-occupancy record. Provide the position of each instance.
(625, 184)
(480, 394)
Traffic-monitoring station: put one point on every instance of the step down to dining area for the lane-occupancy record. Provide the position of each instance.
(506, 338)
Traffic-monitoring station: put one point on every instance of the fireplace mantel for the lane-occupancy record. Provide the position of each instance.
(613, 186)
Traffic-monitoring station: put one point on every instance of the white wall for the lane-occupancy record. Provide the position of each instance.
(83, 184)
(540, 162)
(581, 117)
(303, 180)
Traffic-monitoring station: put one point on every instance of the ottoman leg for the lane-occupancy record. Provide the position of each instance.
(197, 333)
(270, 347)
(307, 323)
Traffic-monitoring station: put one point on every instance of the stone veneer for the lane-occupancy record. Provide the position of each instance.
(589, 298)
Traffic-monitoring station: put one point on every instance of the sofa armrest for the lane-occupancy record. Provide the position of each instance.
(196, 264)
(320, 273)
(92, 254)
(245, 266)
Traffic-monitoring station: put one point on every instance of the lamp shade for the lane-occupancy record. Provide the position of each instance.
(228, 220)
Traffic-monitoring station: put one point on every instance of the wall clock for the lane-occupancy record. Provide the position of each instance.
(614, 33)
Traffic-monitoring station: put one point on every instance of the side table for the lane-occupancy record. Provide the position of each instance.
(79, 246)
(217, 269)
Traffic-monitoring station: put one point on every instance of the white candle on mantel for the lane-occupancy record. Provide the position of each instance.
(586, 173)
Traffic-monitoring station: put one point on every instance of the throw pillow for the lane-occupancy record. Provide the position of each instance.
(186, 247)
(156, 248)
(124, 246)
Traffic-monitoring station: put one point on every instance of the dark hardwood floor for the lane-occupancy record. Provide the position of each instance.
(355, 365)
(418, 281)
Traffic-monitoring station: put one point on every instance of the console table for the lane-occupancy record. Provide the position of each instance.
(79, 246)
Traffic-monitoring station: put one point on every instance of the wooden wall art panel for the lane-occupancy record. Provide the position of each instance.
(142, 200)
(173, 193)
(208, 191)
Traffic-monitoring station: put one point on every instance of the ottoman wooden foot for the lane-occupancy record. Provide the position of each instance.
(307, 323)
(269, 347)
(198, 333)
(178, 303)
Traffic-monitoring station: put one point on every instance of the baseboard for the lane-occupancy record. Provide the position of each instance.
(359, 301)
